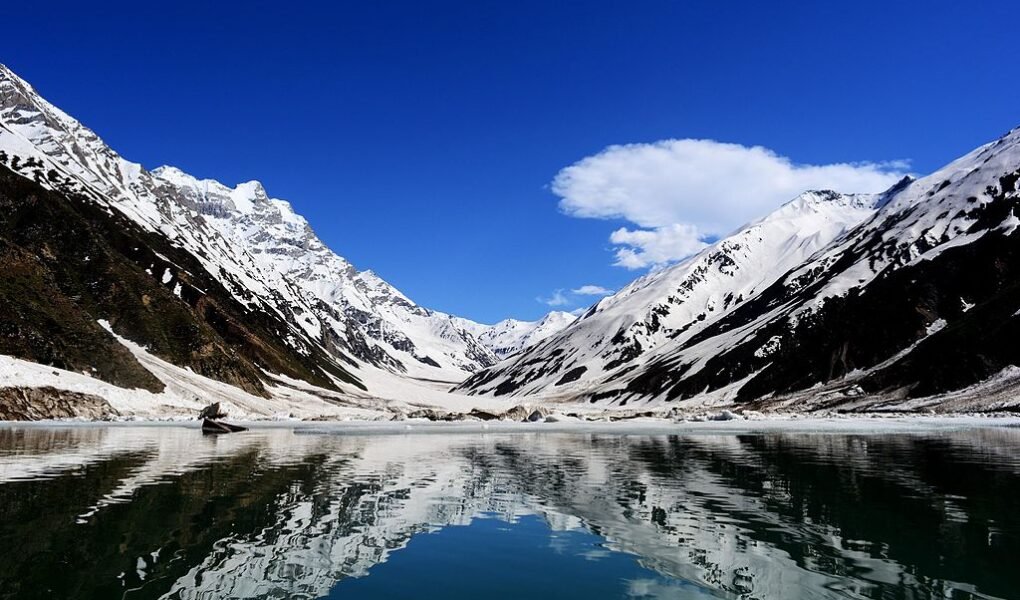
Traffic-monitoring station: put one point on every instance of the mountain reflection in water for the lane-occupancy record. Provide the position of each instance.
(153, 512)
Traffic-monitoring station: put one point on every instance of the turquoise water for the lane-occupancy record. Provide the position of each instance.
(165, 512)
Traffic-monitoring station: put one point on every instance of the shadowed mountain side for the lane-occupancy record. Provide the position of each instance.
(68, 264)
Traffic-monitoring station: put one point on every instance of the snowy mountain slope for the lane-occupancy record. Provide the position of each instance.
(412, 338)
(917, 300)
(510, 336)
(670, 306)
(266, 256)
(70, 263)
(921, 299)
(905, 294)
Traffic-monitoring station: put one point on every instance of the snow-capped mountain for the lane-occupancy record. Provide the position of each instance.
(829, 299)
(907, 294)
(670, 306)
(263, 254)
(510, 336)
(411, 338)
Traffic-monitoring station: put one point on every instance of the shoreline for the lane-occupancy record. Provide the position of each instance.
(785, 423)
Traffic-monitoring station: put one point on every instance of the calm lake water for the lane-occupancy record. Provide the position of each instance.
(165, 512)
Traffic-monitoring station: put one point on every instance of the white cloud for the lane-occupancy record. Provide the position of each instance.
(645, 247)
(591, 290)
(680, 192)
(558, 298)
(561, 297)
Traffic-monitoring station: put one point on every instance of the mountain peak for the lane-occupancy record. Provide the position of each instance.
(248, 198)
(178, 177)
(666, 308)
(558, 316)
(830, 198)
(511, 336)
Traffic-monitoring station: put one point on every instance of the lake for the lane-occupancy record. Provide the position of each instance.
(165, 512)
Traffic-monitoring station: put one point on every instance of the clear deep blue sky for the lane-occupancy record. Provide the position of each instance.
(419, 138)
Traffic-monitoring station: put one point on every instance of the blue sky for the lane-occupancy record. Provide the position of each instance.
(422, 139)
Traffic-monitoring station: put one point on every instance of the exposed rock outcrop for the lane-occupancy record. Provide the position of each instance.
(35, 404)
